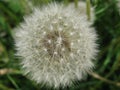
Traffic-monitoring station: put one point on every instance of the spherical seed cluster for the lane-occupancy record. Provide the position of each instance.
(56, 45)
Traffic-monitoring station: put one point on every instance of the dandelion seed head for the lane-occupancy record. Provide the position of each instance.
(56, 45)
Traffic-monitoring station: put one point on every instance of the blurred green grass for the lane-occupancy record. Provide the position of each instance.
(107, 25)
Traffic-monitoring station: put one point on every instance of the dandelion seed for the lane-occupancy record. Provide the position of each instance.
(60, 18)
(45, 49)
(63, 49)
(75, 27)
(55, 53)
(44, 33)
(78, 51)
(49, 41)
(59, 40)
(71, 33)
(71, 43)
(78, 41)
(60, 29)
(51, 28)
(61, 59)
(65, 24)
(71, 54)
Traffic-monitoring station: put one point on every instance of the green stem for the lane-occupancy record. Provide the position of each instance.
(76, 3)
(88, 5)
(66, 2)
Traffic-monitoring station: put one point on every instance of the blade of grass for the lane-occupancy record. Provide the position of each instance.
(3, 87)
(13, 82)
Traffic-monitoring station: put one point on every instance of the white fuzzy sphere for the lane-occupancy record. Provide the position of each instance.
(57, 45)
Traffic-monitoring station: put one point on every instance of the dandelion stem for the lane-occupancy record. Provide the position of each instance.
(95, 75)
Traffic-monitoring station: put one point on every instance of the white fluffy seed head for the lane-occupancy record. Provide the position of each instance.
(57, 45)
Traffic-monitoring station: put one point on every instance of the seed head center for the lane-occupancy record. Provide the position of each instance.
(56, 43)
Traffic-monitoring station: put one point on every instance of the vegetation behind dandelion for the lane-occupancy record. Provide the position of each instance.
(107, 24)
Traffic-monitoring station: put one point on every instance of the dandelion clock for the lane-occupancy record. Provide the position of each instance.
(56, 45)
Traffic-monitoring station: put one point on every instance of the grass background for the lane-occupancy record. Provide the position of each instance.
(107, 25)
